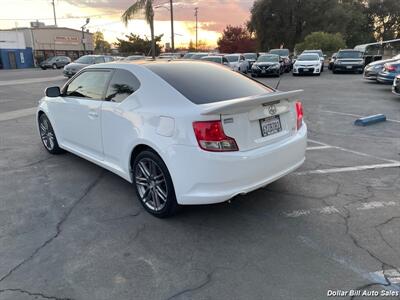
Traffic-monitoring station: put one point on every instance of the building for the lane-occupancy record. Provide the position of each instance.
(13, 51)
(28, 46)
(48, 41)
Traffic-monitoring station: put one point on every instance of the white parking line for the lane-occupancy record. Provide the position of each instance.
(15, 114)
(353, 115)
(30, 80)
(319, 147)
(348, 169)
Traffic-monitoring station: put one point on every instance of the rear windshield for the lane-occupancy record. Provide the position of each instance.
(349, 54)
(213, 58)
(203, 83)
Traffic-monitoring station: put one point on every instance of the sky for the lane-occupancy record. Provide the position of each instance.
(105, 16)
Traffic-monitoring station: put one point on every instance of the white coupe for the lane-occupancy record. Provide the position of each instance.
(183, 132)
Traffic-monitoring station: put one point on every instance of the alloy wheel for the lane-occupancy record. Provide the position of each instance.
(46, 133)
(151, 184)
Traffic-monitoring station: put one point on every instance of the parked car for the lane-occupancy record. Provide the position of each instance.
(237, 62)
(332, 61)
(147, 122)
(250, 58)
(269, 64)
(396, 85)
(219, 59)
(135, 57)
(55, 62)
(307, 63)
(371, 70)
(84, 61)
(188, 55)
(198, 55)
(285, 54)
(320, 54)
(389, 72)
(349, 60)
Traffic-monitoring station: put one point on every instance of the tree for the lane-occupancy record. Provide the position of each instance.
(136, 45)
(385, 16)
(327, 42)
(236, 39)
(191, 47)
(287, 22)
(100, 45)
(147, 7)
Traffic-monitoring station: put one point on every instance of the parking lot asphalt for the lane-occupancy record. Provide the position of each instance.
(71, 230)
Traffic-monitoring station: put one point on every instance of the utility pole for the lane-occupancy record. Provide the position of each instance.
(172, 26)
(195, 14)
(83, 35)
(54, 12)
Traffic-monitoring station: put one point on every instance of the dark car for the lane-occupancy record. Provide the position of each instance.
(268, 64)
(389, 72)
(332, 61)
(285, 55)
(83, 61)
(349, 61)
(396, 86)
(371, 70)
(55, 62)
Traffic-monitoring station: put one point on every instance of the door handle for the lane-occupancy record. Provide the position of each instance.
(93, 114)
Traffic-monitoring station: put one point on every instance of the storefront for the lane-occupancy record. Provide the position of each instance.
(13, 51)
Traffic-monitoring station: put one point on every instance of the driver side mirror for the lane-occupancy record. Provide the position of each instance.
(53, 91)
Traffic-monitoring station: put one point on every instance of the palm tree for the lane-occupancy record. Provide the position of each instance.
(134, 9)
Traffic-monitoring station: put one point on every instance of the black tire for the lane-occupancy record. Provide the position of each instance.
(48, 136)
(334, 71)
(54, 66)
(43, 68)
(254, 75)
(146, 168)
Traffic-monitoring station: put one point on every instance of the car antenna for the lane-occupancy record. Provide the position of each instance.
(279, 81)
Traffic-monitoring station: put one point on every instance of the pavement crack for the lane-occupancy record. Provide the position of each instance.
(58, 227)
(33, 294)
(206, 281)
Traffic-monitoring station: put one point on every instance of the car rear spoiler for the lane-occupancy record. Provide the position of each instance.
(246, 103)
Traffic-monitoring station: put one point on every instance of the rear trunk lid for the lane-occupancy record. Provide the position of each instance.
(257, 121)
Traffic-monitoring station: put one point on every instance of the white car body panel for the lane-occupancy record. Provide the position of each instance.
(144, 118)
(316, 64)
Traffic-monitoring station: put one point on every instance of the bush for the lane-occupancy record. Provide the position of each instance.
(327, 42)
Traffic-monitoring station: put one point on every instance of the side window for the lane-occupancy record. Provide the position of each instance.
(89, 84)
(122, 84)
(224, 60)
(99, 60)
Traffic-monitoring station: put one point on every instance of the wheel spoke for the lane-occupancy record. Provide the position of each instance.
(161, 193)
(146, 195)
(144, 169)
(142, 181)
(42, 127)
(155, 199)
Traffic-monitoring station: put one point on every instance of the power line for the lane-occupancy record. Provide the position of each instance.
(59, 18)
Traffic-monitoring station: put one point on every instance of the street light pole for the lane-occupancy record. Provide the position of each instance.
(195, 14)
(54, 13)
(172, 27)
(83, 36)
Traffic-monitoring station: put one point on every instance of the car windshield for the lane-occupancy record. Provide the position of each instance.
(307, 57)
(134, 57)
(232, 58)
(206, 83)
(280, 52)
(212, 58)
(319, 53)
(349, 54)
(250, 56)
(88, 60)
(188, 55)
(268, 58)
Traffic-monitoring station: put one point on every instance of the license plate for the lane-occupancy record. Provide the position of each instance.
(270, 125)
(305, 70)
(263, 71)
(349, 67)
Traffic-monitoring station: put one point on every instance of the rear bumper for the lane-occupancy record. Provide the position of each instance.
(385, 79)
(202, 177)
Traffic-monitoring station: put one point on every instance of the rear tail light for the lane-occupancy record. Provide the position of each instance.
(390, 68)
(299, 114)
(211, 137)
